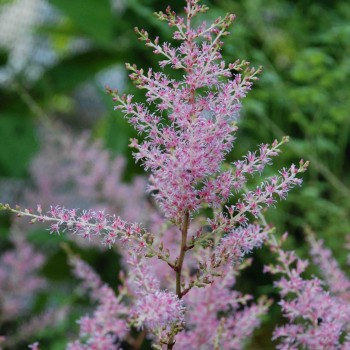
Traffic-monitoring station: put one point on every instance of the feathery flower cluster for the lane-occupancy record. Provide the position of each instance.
(255, 162)
(19, 280)
(76, 171)
(336, 280)
(317, 318)
(239, 242)
(158, 309)
(88, 224)
(107, 326)
(218, 317)
(189, 127)
(154, 308)
(139, 303)
(191, 132)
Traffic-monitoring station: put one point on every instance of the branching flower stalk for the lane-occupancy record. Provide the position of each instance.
(188, 129)
(183, 249)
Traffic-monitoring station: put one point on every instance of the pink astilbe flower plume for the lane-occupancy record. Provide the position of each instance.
(154, 308)
(188, 128)
(73, 170)
(19, 278)
(185, 146)
(316, 318)
(108, 325)
(219, 317)
(335, 279)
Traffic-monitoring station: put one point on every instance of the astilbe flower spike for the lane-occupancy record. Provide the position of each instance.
(87, 223)
(74, 170)
(239, 316)
(108, 324)
(19, 280)
(335, 279)
(316, 318)
(188, 128)
(154, 308)
(139, 302)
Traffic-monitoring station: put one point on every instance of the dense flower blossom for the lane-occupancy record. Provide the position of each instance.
(335, 279)
(154, 308)
(218, 317)
(19, 280)
(316, 318)
(185, 147)
(158, 309)
(189, 128)
(76, 171)
(107, 326)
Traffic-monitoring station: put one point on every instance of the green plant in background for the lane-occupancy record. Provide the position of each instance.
(303, 93)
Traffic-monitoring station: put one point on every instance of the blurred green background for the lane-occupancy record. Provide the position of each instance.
(56, 56)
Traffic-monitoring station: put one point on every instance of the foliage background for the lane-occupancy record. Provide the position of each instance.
(57, 55)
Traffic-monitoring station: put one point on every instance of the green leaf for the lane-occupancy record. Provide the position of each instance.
(93, 17)
(73, 71)
(3, 57)
(17, 144)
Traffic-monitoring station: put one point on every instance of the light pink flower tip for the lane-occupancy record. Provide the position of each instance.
(34, 346)
(335, 278)
(241, 241)
(317, 319)
(159, 309)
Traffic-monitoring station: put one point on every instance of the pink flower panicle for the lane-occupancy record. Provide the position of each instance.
(239, 328)
(255, 162)
(239, 242)
(88, 224)
(188, 127)
(108, 324)
(218, 316)
(218, 189)
(229, 251)
(154, 308)
(185, 146)
(19, 279)
(140, 303)
(253, 201)
(158, 309)
(73, 170)
(334, 277)
(316, 318)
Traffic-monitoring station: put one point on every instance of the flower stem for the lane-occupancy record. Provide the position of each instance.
(183, 250)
